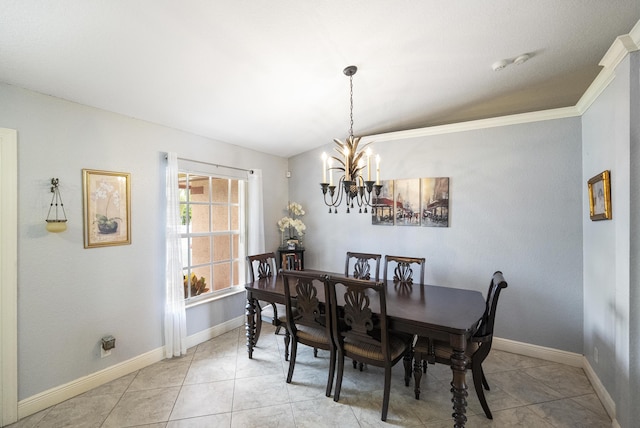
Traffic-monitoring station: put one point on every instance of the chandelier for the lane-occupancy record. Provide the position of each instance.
(351, 162)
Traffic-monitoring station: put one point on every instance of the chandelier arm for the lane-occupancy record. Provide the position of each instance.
(331, 192)
(335, 193)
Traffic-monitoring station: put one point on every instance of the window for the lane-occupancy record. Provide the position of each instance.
(213, 233)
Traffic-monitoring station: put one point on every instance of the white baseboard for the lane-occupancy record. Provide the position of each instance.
(605, 398)
(57, 395)
(535, 351)
(215, 331)
(563, 357)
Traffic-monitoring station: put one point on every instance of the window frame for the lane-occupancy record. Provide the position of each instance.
(237, 275)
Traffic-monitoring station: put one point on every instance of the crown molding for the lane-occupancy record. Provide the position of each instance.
(619, 49)
(537, 116)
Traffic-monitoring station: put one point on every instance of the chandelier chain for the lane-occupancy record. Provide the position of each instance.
(351, 110)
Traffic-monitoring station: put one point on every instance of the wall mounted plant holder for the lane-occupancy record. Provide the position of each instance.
(56, 221)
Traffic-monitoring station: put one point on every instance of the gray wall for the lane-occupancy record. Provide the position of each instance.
(516, 206)
(610, 141)
(68, 296)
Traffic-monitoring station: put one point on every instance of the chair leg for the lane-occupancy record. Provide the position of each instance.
(406, 361)
(484, 380)
(275, 318)
(292, 360)
(315, 352)
(336, 393)
(476, 369)
(332, 370)
(417, 374)
(387, 391)
(287, 339)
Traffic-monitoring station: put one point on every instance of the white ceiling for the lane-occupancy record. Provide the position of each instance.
(267, 74)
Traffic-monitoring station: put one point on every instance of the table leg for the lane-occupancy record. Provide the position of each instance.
(407, 360)
(417, 374)
(459, 387)
(250, 325)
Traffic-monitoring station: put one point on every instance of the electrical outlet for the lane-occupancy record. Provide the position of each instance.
(288, 174)
(595, 354)
(104, 353)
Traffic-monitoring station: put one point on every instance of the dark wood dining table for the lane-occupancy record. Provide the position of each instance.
(442, 313)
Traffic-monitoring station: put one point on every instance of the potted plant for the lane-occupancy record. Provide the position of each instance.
(198, 286)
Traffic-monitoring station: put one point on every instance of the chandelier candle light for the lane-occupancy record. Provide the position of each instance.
(352, 184)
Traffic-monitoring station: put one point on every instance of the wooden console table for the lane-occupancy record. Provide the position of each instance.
(291, 259)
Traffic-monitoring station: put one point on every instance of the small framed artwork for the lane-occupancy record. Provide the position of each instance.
(107, 208)
(600, 196)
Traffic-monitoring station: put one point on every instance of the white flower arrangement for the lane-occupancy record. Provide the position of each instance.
(295, 209)
(291, 222)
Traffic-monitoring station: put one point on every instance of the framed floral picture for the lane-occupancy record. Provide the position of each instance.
(600, 196)
(107, 208)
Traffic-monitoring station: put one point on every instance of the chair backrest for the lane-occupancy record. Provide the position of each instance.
(485, 328)
(261, 265)
(362, 265)
(403, 273)
(359, 312)
(308, 293)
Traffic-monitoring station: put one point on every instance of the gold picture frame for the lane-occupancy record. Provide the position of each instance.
(600, 196)
(107, 208)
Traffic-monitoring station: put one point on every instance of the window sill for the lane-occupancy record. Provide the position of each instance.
(215, 296)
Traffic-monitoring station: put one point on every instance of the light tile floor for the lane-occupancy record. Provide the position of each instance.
(217, 385)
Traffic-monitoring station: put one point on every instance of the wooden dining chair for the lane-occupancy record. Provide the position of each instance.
(360, 330)
(478, 347)
(363, 264)
(402, 269)
(309, 322)
(362, 268)
(263, 266)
